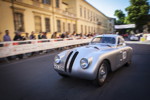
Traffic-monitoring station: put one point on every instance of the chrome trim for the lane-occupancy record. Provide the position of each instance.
(72, 61)
(65, 67)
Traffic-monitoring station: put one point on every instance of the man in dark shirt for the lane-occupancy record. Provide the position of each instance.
(62, 35)
(18, 37)
(32, 36)
(44, 36)
(54, 35)
(6, 36)
(40, 36)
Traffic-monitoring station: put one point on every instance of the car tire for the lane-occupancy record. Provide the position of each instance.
(63, 75)
(102, 73)
(128, 63)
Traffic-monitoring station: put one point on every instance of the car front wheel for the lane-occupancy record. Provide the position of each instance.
(128, 63)
(102, 73)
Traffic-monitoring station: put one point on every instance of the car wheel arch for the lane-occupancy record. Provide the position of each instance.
(109, 67)
(106, 61)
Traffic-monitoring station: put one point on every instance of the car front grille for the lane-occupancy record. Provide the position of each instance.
(70, 59)
(67, 60)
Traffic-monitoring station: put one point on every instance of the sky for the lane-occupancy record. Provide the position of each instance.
(108, 7)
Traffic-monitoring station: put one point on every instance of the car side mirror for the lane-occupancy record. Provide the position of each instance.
(120, 43)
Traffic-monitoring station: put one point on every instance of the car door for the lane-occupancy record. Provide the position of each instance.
(122, 52)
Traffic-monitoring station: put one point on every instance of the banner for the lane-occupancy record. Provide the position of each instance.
(22, 47)
(124, 26)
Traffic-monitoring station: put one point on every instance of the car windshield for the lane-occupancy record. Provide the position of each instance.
(104, 40)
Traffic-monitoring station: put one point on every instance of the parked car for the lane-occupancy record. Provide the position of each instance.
(105, 53)
(125, 35)
(134, 38)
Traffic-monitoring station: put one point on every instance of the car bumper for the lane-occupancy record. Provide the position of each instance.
(89, 73)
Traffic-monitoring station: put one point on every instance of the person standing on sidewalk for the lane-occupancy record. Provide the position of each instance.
(32, 36)
(44, 36)
(18, 37)
(26, 36)
(40, 36)
(6, 36)
(54, 35)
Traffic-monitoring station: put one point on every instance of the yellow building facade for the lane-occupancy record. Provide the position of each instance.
(51, 16)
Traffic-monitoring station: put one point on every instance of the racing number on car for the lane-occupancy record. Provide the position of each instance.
(124, 55)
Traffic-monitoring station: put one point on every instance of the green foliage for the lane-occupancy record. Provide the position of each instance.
(137, 9)
(121, 17)
(143, 20)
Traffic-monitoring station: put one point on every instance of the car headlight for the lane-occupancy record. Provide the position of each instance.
(57, 59)
(84, 63)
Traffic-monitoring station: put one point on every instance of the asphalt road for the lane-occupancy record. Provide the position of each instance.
(35, 79)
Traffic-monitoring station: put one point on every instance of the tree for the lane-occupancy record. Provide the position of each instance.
(136, 10)
(121, 17)
(142, 21)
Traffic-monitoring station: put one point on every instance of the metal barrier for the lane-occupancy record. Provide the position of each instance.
(21, 47)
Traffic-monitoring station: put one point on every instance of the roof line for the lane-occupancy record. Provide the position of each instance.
(95, 8)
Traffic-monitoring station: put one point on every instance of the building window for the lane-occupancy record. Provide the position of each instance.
(58, 26)
(94, 17)
(57, 3)
(80, 11)
(69, 27)
(38, 27)
(89, 29)
(19, 23)
(97, 19)
(47, 24)
(74, 27)
(81, 28)
(91, 19)
(88, 14)
(85, 29)
(46, 2)
(84, 12)
(64, 27)
(98, 30)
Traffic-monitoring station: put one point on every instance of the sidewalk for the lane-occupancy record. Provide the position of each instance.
(138, 42)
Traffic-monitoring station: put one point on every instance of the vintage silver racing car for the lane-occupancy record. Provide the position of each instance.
(104, 53)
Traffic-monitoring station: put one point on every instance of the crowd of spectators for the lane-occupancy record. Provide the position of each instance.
(43, 35)
(73, 35)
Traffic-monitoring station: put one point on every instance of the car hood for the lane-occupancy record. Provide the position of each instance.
(86, 50)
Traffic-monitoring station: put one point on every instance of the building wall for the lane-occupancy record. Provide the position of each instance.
(68, 13)
(111, 25)
(6, 19)
(90, 18)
